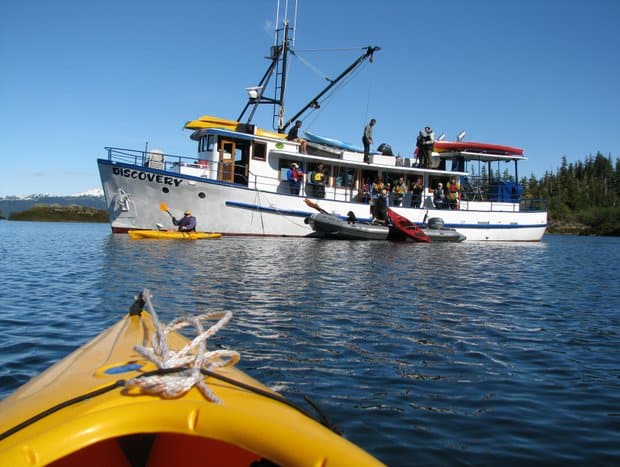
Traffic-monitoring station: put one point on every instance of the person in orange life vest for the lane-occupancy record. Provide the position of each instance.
(453, 188)
(294, 176)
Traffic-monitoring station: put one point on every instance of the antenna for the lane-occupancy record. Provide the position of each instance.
(275, 32)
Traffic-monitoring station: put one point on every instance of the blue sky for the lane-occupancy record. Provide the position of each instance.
(78, 76)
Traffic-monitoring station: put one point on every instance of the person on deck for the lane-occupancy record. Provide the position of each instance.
(318, 182)
(439, 197)
(294, 176)
(428, 145)
(375, 193)
(399, 191)
(416, 193)
(367, 140)
(453, 189)
(381, 206)
(419, 150)
(293, 135)
(187, 223)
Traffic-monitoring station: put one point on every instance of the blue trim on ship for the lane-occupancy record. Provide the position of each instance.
(255, 207)
(296, 213)
(289, 212)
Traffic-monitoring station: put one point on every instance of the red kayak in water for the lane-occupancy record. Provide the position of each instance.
(408, 228)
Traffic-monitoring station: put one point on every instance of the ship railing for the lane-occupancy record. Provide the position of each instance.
(533, 204)
(152, 158)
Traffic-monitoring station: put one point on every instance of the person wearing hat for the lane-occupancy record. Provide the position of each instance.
(295, 177)
(187, 223)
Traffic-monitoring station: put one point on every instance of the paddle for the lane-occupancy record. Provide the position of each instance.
(164, 207)
(314, 205)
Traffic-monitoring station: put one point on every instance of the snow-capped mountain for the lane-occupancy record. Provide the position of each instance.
(91, 192)
(95, 192)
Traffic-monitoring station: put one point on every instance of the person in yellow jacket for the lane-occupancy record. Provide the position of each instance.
(453, 190)
(399, 192)
(318, 181)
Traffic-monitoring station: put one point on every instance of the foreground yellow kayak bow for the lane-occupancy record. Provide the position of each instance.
(143, 394)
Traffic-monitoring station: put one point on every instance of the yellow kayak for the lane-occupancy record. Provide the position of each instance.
(209, 121)
(107, 404)
(172, 235)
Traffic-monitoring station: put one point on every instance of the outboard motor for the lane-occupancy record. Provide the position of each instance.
(385, 149)
(435, 223)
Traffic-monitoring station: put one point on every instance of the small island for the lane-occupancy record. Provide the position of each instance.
(57, 213)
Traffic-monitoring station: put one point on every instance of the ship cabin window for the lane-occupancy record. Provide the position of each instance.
(458, 164)
(259, 151)
(207, 143)
(344, 176)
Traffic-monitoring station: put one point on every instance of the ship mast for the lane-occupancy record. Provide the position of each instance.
(279, 64)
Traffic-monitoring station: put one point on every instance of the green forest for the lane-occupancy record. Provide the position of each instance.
(56, 213)
(582, 197)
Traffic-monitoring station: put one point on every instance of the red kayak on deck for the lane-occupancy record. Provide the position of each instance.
(471, 146)
(408, 228)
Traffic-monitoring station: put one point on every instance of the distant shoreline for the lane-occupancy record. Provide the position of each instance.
(57, 213)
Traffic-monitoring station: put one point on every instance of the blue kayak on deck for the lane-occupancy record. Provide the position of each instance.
(332, 142)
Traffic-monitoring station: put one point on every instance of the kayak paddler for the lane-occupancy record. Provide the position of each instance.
(187, 223)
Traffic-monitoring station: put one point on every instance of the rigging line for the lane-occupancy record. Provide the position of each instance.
(339, 85)
(275, 29)
(328, 97)
(316, 113)
(312, 67)
(370, 85)
(332, 50)
(295, 24)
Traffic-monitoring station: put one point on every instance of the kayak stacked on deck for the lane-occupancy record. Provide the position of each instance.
(124, 400)
(475, 147)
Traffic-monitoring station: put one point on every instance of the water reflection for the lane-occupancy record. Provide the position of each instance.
(442, 354)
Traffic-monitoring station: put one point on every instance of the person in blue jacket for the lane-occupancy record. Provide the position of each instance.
(295, 177)
(187, 223)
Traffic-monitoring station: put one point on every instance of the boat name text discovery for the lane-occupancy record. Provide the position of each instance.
(146, 176)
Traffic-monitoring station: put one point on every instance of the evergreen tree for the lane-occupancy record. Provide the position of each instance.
(587, 192)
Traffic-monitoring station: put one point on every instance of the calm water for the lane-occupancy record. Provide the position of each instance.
(450, 354)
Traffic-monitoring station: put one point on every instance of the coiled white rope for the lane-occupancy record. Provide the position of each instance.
(193, 356)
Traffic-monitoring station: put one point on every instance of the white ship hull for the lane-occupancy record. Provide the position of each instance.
(134, 194)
